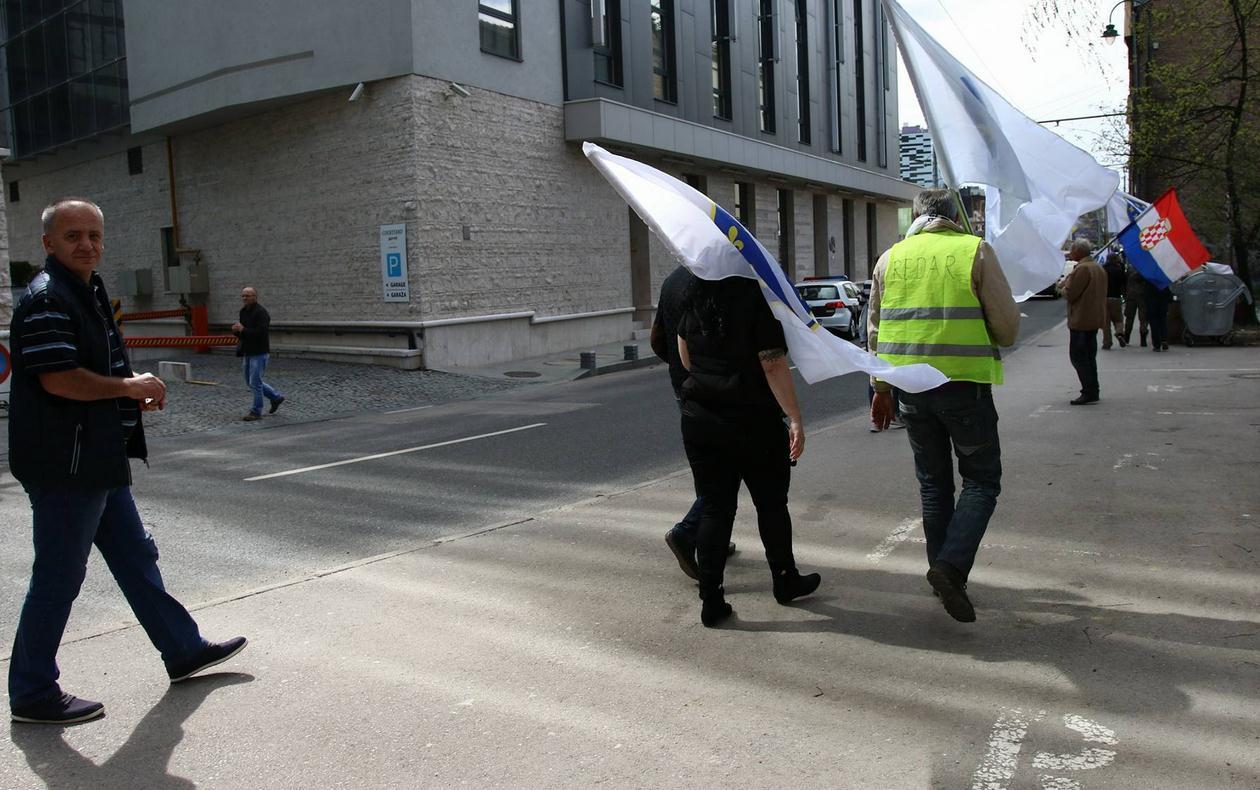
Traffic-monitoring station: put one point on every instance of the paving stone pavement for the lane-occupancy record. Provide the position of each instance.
(313, 390)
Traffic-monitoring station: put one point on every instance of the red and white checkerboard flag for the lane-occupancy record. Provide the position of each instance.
(1160, 243)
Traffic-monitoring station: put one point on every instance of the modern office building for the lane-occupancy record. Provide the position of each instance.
(918, 157)
(403, 181)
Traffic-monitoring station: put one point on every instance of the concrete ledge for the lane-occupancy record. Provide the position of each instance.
(404, 358)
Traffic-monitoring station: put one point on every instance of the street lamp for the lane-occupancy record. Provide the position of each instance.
(1110, 34)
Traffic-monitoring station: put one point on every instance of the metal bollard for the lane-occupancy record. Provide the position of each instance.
(631, 352)
(587, 360)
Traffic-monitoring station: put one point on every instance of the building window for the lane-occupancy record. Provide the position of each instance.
(765, 63)
(500, 28)
(745, 205)
(135, 161)
(872, 248)
(881, 87)
(664, 77)
(65, 70)
(849, 251)
(14, 194)
(859, 77)
(721, 54)
(837, 74)
(802, 71)
(786, 230)
(608, 54)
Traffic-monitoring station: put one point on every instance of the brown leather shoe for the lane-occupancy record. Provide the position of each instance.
(251, 417)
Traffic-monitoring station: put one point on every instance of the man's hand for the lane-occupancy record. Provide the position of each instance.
(148, 390)
(796, 439)
(238, 327)
(882, 410)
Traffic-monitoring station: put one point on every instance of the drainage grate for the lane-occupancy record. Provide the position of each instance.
(523, 374)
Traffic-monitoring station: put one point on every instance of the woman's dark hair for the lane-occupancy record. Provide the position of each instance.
(709, 302)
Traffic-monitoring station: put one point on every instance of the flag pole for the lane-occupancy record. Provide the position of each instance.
(962, 211)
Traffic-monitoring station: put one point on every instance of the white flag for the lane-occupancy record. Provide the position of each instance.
(1122, 209)
(1039, 184)
(714, 245)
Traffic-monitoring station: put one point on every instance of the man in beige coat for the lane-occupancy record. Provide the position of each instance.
(1086, 292)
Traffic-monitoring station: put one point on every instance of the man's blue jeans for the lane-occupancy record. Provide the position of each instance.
(254, 366)
(67, 523)
(959, 417)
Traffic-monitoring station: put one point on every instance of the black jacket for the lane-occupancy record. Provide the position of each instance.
(255, 337)
(54, 441)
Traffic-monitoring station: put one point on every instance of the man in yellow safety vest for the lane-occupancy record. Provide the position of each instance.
(940, 297)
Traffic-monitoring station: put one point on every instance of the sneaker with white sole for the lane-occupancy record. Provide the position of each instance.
(213, 653)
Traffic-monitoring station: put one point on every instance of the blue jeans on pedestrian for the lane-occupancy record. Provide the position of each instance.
(66, 524)
(254, 366)
(959, 418)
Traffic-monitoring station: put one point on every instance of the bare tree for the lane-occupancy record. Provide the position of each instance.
(1194, 110)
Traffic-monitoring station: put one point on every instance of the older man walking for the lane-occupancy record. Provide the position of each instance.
(1085, 289)
(75, 422)
(253, 331)
(940, 297)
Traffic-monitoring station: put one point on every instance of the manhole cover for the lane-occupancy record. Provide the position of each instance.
(523, 374)
(1246, 376)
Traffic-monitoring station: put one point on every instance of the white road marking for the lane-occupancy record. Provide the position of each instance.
(1188, 413)
(898, 535)
(1129, 459)
(413, 408)
(1014, 547)
(1086, 760)
(391, 453)
(1193, 370)
(1048, 409)
(1001, 758)
(998, 765)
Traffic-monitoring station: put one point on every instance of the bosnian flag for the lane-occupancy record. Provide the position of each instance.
(1161, 244)
(714, 245)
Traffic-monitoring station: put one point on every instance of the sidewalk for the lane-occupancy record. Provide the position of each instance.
(1118, 642)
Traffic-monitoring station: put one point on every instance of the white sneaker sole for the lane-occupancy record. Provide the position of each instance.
(85, 717)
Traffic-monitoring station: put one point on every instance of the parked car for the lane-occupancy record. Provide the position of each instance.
(835, 301)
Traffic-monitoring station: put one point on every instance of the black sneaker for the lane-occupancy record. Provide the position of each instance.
(62, 709)
(949, 586)
(275, 404)
(213, 653)
(790, 584)
(1084, 400)
(684, 552)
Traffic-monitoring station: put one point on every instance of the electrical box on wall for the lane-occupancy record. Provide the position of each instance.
(191, 278)
(137, 282)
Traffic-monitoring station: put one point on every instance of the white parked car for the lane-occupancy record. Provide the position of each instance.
(835, 301)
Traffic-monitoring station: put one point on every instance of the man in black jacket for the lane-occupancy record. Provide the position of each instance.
(254, 331)
(74, 423)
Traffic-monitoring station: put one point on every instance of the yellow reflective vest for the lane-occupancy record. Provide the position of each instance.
(929, 312)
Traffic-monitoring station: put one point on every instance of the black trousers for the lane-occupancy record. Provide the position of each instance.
(1083, 351)
(1157, 315)
(723, 450)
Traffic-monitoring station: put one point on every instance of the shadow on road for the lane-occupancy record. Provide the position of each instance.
(142, 760)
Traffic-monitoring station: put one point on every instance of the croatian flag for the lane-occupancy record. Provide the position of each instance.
(1161, 244)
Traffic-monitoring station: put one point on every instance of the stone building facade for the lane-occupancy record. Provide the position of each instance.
(256, 159)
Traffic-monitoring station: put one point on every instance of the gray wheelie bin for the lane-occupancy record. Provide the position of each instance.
(1207, 300)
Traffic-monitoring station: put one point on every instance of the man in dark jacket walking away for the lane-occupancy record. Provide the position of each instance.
(254, 333)
(75, 422)
(1115, 302)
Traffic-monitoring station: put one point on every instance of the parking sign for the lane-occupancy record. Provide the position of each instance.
(394, 263)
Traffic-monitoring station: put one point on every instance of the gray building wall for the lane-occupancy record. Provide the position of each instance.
(516, 246)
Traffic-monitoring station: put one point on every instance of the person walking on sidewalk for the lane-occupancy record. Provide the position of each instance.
(1157, 314)
(254, 333)
(1085, 290)
(1134, 304)
(940, 297)
(1115, 301)
(681, 538)
(737, 392)
(75, 421)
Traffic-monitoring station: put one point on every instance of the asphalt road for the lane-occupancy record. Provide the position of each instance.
(222, 534)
